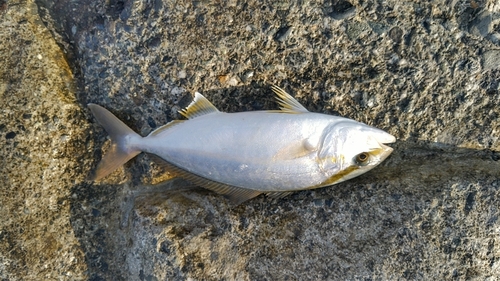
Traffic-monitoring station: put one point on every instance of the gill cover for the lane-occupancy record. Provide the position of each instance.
(350, 148)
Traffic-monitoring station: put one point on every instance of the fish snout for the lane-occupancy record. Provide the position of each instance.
(385, 138)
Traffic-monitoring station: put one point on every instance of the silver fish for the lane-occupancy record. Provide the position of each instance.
(244, 154)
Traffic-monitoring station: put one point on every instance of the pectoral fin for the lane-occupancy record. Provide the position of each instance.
(296, 150)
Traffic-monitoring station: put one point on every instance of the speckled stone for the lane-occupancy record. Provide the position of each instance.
(42, 143)
(427, 72)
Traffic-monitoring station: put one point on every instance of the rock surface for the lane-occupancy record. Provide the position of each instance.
(426, 72)
(43, 141)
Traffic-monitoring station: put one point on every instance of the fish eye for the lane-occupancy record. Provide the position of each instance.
(362, 158)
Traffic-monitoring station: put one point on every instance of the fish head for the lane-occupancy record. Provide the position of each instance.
(351, 148)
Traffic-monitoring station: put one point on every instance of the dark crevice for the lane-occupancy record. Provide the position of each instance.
(339, 9)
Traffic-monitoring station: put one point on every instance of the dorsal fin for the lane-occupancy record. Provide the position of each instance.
(198, 107)
(166, 126)
(287, 103)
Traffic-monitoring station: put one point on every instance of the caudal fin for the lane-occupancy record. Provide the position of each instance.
(122, 139)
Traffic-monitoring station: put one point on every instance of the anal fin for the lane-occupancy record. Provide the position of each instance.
(279, 195)
(236, 195)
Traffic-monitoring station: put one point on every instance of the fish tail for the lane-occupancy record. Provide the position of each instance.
(122, 142)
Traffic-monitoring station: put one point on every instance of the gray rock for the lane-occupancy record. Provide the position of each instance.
(418, 70)
(43, 146)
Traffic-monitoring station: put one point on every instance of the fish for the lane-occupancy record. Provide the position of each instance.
(244, 154)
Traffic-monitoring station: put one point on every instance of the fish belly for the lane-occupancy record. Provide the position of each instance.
(254, 150)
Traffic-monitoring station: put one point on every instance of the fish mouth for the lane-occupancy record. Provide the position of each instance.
(384, 151)
(381, 153)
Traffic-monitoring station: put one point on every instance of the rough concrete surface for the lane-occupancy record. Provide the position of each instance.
(43, 139)
(427, 72)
